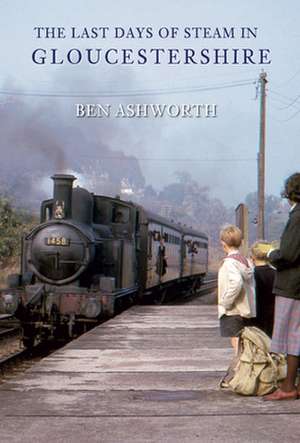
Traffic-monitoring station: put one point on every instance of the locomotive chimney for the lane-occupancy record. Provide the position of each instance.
(62, 196)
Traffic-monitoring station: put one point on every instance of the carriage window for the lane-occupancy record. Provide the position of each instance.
(120, 214)
(203, 245)
(156, 235)
(195, 247)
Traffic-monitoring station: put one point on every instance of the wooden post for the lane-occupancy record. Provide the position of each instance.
(242, 221)
(261, 159)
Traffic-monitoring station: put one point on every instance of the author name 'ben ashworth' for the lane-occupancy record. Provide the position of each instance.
(146, 110)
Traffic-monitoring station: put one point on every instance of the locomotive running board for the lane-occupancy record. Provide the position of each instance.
(124, 292)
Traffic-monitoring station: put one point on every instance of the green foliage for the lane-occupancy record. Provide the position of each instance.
(12, 225)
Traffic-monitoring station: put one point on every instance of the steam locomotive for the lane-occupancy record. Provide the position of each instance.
(91, 253)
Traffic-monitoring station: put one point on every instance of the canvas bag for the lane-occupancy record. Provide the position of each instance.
(256, 371)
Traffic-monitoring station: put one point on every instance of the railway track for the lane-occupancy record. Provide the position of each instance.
(9, 327)
(209, 284)
(10, 346)
(13, 359)
(8, 332)
(206, 294)
(22, 359)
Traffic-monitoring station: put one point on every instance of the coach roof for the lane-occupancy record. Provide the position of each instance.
(176, 226)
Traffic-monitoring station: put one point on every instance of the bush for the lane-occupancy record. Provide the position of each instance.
(13, 223)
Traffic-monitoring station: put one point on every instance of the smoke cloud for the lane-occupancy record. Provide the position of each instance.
(40, 137)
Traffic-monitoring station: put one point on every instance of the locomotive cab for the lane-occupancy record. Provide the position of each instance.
(122, 219)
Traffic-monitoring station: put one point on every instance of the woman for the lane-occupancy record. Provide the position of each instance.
(286, 259)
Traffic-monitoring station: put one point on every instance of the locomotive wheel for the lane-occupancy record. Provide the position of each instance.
(160, 297)
(28, 342)
(28, 335)
(193, 289)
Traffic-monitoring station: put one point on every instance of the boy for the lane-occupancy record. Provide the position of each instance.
(264, 281)
(236, 299)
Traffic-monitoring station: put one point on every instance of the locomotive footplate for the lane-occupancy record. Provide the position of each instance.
(44, 309)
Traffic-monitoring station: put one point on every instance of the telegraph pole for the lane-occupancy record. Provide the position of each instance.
(261, 158)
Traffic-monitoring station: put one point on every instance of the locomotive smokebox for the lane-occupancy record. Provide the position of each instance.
(62, 196)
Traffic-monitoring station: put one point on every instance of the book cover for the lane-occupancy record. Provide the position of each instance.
(189, 109)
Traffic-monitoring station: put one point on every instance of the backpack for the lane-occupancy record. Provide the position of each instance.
(255, 371)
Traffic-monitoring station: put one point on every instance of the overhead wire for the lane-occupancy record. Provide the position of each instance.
(283, 99)
(284, 83)
(128, 93)
(292, 116)
(291, 101)
(176, 159)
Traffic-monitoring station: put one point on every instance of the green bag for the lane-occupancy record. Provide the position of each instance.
(256, 371)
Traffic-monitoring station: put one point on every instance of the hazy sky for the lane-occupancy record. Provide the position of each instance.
(222, 151)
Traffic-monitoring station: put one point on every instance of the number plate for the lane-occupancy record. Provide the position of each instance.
(57, 241)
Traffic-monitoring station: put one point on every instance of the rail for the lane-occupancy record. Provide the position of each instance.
(8, 332)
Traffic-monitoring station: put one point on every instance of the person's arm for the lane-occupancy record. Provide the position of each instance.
(234, 284)
(289, 251)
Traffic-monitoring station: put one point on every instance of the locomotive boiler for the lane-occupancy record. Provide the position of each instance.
(92, 253)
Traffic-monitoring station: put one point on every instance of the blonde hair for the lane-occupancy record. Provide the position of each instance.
(231, 235)
(258, 250)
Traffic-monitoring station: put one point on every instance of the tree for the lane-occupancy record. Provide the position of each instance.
(276, 211)
(12, 224)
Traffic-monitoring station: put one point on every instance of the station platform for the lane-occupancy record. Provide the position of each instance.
(149, 375)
